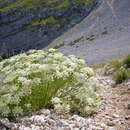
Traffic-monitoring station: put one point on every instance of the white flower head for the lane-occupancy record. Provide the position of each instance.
(52, 50)
(56, 100)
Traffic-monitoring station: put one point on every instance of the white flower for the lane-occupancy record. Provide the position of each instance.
(22, 79)
(81, 61)
(32, 51)
(12, 60)
(22, 72)
(17, 111)
(73, 58)
(88, 71)
(52, 50)
(56, 100)
(36, 80)
(27, 82)
(10, 77)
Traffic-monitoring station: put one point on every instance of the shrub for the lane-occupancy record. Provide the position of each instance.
(127, 61)
(121, 74)
(81, 98)
(30, 81)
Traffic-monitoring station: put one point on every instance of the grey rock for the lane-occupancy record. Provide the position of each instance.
(128, 105)
(79, 124)
(110, 118)
(51, 122)
(115, 116)
(3, 129)
(45, 112)
(110, 123)
(103, 125)
(127, 117)
(111, 128)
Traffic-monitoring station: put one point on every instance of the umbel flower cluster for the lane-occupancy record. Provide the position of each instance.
(38, 79)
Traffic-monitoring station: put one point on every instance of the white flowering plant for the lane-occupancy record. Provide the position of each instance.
(39, 78)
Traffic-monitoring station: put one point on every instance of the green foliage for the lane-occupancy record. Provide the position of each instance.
(127, 61)
(62, 5)
(90, 38)
(104, 32)
(83, 1)
(120, 68)
(72, 43)
(121, 75)
(30, 81)
(81, 98)
(49, 20)
(59, 46)
(115, 64)
(32, 4)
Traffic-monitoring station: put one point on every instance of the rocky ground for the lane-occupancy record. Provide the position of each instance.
(113, 113)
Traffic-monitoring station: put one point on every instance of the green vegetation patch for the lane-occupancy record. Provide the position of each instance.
(64, 4)
(121, 75)
(37, 79)
(90, 38)
(59, 46)
(49, 20)
(29, 4)
(118, 68)
(72, 43)
(83, 1)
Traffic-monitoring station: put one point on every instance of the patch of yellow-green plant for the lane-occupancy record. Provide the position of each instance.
(121, 75)
(49, 20)
(14, 5)
(48, 2)
(37, 79)
(126, 61)
(59, 46)
(83, 1)
(72, 43)
(62, 5)
(118, 68)
(32, 4)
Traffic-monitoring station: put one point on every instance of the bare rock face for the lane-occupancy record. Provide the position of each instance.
(34, 24)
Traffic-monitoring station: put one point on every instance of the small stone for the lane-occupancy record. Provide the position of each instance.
(27, 128)
(24, 128)
(128, 105)
(46, 112)
(75, 118)
(51, 122)
(79, 124)
(72, 126)
(110, 118)
(3, 129)
(110, 71)
(89, 120)
(110, 123)
(127, 117)
(111, 128)
(115, 116)
(95, 128)
(103, 125)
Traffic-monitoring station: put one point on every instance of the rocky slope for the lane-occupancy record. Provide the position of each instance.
(101, 36)
(33, 24)
(113, 113)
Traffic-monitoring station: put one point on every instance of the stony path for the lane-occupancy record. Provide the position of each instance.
(113, 113)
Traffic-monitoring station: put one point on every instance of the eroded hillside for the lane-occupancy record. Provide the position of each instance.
(27, 24)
